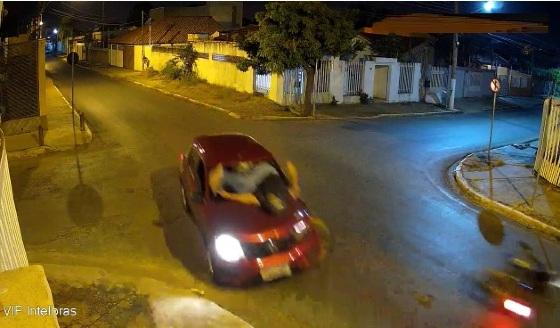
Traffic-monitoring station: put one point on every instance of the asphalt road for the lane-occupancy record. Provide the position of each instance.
(407, 250)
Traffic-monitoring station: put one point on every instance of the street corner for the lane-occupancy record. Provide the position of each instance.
(102, 298)
(507, 185)
(101, 305)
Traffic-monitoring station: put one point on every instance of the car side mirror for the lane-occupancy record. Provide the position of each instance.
(196, 197)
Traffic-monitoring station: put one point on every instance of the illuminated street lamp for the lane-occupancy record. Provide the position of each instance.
(55, 31)
(41, 23)
(489, 6)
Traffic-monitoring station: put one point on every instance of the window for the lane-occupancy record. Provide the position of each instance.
(196, 167)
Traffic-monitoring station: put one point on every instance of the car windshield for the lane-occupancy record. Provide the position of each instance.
(245, 177)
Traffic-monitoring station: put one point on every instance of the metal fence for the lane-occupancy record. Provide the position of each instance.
(12, 251)
(406, 77)
(323, 76)
(353, 77)
(547, 163)
(439, 77)
(504, 85)
(294, 86)
(19, 83)
(262, 83)
(294, 82)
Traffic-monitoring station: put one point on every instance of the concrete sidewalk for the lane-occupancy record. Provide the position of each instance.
(103, 298)
(56, 120)
(510, 187)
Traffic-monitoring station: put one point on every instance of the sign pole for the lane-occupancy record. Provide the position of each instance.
(491, 127)
(495, 87)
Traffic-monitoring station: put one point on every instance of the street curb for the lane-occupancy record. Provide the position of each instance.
(76, 115)
(334, 118)
(220, 109)
(274, 118)
(503, 209)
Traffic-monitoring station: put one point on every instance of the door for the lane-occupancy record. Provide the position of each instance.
(380, 82)
(196, 184)
(128, 57)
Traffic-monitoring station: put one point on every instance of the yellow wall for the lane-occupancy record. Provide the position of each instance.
(215, 72)
(138, 56)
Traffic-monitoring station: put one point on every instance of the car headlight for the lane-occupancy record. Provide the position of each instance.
(228, 248)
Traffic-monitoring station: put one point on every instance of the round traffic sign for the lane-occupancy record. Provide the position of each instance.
(495, 85)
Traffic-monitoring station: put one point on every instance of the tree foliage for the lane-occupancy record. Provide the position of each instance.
(182, 65)
(390, 45)
(297, 34)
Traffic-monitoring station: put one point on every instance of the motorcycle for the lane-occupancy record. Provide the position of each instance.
(525, 289)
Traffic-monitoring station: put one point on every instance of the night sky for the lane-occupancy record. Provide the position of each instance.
(117, 12)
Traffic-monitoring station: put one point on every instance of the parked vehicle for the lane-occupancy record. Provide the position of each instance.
(245, 240)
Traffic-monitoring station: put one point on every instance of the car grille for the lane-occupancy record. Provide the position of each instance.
(269, 247)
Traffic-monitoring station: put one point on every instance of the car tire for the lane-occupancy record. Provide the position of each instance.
(215, 275)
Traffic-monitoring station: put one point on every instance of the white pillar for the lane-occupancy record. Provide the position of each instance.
(369, 74)
(336, 79)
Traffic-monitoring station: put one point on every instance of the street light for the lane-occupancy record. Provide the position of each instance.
(55, 31)
(489, 6)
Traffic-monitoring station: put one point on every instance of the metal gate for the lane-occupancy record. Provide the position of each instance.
(128, 57)
(547, 163)
(405, 77)
(294, 82)
(19, 82)
(262, 83)
(353, 77)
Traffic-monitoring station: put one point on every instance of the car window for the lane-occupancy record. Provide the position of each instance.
(201, 177)
(196, 166)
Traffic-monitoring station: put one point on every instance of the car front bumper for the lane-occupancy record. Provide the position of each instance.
(300, 256)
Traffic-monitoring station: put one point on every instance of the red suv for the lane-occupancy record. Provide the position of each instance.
(245, 242)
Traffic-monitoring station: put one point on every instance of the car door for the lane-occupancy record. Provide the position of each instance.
(196, 183)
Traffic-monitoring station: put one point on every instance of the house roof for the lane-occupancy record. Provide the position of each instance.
(170, 30)
(421, 24)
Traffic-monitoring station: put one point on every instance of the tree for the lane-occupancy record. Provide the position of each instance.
(297, 34)
(391, 45)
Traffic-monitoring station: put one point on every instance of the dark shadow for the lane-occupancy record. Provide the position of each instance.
(181, 234)
(491, 227)
(84, 205)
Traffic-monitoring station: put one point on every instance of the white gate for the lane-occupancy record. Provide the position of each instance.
(262, 83)
(12, 251)
(405, 77)
(547, 163)
(353, 77)
(294, 82)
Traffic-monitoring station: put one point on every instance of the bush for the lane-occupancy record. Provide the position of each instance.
(364, 99)
(172, 70)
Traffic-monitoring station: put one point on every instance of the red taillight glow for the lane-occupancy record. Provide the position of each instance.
(517, 308)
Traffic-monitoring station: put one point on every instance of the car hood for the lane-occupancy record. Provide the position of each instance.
(224, 216)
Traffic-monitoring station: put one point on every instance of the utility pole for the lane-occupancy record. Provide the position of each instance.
(142, 39)
(454, 65)
(102, 24)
